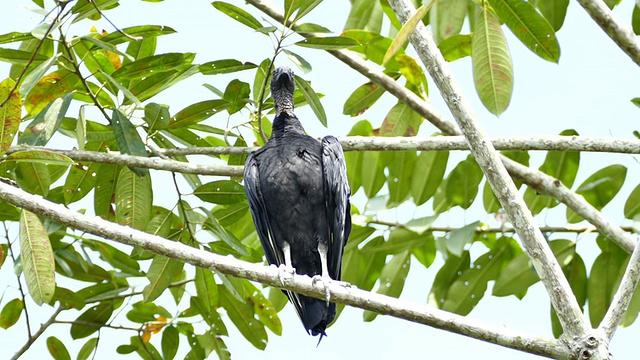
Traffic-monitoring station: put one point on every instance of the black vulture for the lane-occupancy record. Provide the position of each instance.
(299, 199)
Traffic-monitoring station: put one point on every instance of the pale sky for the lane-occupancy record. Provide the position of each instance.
(589, 90)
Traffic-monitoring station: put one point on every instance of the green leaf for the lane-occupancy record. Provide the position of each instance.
(128, 139)
(636, 101)
(87, 9)
(401, 121)
(456, 47)
(365, 15)
(312, 98)
(10, 115)
(36, 74)
(89, 321)
(10, 313)
(206, 288)
(37, 258)
(237, 14)
(447, 17)
(80, 181)
(516, 278)
(161, 273)
(142, 31)
(170, 342)
(407, 29)
(300, 62)
(57, 349)
(463, 181)
(143, 312)
(554, 11)
(87, 349)
(372, 173)
(529, 26)
(225, 66)
(469, 288)
(46, 123)
(157, 116)
(576, 273)
(44, 157)
(48, 90)
(237, 94)
(362, 99)
(14, 36)
(106, 179)
(459, 238)
(224, 192)
(600, 188)
(328, 43)
(632, 206)
(635, 19)
(151, 65)
(262, 73)
(604, 278)
(353, 159)
(446, 276)
(133, 198)
(197, 112)
(68, 299)
(20, 57)
(431, 165)
(392, 278)
(263, 309)
(562, 165)
(243, 317)
(492, 71)
(400, 177)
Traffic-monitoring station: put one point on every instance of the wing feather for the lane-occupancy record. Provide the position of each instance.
(337, 192)
(259, 211)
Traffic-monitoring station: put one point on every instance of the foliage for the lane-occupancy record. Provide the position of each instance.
(119, 74)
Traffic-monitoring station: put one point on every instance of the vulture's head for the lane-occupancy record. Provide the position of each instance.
(282, 87)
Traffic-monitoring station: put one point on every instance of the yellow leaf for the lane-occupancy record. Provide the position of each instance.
(406, 31)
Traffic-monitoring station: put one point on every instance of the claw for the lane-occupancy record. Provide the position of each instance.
(324, 280)
(285, 271)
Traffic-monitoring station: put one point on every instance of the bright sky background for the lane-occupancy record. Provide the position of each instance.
(590, 91)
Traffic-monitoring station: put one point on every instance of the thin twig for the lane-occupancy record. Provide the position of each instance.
(133, 38)
(95, 324)
(35, 336)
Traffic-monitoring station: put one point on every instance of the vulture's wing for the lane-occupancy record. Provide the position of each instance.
(259, 212)
(336, 192)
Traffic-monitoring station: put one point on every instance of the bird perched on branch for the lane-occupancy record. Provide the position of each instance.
(299, 199)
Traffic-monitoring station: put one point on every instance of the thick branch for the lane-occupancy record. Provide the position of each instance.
(620, 33)
(269, 275)
(562, 298)
(424, 109)
(447, 143)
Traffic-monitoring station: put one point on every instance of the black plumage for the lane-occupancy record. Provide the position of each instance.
(299, 198)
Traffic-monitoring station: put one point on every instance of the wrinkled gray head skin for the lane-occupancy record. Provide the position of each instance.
(282, 87)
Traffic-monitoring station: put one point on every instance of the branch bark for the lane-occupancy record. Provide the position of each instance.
(551, 275)
(424, 109)
(447, 143)
(270, 275)
(620, 33)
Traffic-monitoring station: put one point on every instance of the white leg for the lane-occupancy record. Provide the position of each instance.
(324, 278)
(287, 267)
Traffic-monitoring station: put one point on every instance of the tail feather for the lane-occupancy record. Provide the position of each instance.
(316, 315)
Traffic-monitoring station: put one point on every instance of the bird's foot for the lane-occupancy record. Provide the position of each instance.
(325, 281)
(285, 271)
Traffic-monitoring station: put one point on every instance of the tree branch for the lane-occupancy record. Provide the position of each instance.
(270, 275)
(447, 143)
(424, 109)
(488, 230)
(542, 258)
(40, 331)
(620, 33)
